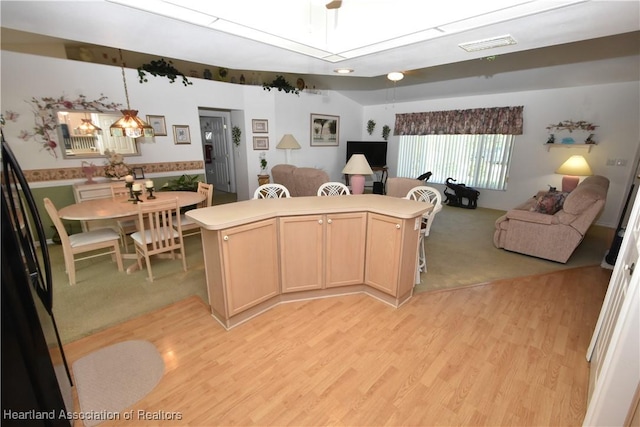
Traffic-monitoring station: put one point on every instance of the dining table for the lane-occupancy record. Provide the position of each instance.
(121, 207)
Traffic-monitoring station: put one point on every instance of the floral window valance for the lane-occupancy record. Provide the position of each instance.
(475, 121)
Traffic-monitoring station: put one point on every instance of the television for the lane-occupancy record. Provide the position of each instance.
(374, 151)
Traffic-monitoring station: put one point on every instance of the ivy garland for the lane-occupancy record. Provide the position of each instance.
(282, 85)
(161, 67)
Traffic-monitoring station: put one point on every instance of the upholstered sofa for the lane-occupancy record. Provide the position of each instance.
(551, 225)
(399, 187)
(299, 181)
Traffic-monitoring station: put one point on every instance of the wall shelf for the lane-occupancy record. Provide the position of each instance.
(587, 146)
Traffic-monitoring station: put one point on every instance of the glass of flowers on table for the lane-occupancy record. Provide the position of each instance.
(115, 168)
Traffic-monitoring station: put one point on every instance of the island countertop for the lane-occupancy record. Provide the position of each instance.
(220, 217)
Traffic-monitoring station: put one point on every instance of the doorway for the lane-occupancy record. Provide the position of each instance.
(216, 146)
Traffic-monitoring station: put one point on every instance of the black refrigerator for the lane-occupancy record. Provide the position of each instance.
(36, 383)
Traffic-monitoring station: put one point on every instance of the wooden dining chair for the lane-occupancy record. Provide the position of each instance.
(189, 227)
(86, 241)
(160, 232)
(127, 225)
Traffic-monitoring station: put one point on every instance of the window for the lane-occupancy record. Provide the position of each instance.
(480, 161)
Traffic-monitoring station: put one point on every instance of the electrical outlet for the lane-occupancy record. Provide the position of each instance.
(621, 162)
(611, 162)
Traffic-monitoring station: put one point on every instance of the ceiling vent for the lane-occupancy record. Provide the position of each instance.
(488, 43)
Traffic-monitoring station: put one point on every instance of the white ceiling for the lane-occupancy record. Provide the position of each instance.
(372, 37)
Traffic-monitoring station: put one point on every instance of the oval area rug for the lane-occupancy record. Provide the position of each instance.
(115, 377)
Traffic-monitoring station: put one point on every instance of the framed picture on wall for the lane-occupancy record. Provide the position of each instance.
(181, 134)
(158, 124)
(260, 142)
(260, 126)
(138, 173)
(324, 130)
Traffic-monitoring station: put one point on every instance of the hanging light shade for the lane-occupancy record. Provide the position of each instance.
(130, 124)
(88, 128)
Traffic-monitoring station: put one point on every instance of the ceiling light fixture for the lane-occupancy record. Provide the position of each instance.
(395, 76)
(343, 70)
(130, 124)
(491, 43)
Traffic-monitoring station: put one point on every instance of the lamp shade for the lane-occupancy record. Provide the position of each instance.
(357, 165)
(575, 166)
(131, 125)
(288, 141)
(88, 128)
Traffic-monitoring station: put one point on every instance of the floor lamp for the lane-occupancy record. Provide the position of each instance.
(288, 143)
(357, 167)
(575, 167)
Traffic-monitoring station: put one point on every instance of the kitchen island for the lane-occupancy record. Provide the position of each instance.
(260, 253)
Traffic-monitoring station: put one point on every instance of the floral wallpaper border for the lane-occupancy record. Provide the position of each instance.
(40, 175)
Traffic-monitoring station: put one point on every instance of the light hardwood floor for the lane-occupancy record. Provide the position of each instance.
(507, 353)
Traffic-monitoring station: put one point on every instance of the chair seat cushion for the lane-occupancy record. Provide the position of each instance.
(93, 236)
(185, 220)
(137, 236)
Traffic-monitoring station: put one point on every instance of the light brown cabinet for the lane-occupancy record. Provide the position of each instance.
(391, 253)
(242, 266)
(260, 253)
(301, 252)
(330, 254)
(345, 249)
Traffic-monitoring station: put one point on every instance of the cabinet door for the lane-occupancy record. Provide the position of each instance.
(345, 249)
(250, 264)
(384, 238)
(301, 252)
(392, 253)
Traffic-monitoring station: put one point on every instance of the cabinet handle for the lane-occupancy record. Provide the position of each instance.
(319, 221)
(225, 238)
(398, 226)
(329, 221)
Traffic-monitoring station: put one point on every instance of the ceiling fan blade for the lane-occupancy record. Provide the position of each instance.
(334, 4)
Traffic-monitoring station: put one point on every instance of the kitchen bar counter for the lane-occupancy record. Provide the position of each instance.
(260, 253)
(232, 214)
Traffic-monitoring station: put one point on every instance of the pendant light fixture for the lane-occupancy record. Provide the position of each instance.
(88, 128)
(130, 124)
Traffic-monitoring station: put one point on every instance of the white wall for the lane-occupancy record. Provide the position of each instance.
(614, 107)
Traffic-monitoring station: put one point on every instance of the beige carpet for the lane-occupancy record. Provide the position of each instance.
(460, 252)
(115, 377)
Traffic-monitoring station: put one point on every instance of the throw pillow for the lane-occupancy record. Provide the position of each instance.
(549, 203)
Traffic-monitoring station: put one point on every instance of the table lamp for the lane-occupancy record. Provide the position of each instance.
(357, 167)
(572, 169)
(288, 142)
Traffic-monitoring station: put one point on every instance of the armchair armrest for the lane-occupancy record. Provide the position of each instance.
(528, 216)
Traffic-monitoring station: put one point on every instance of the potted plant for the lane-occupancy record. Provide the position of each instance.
(385, 132)
(371, 125)
(184, 183)
(236, 133)
(263, 164)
